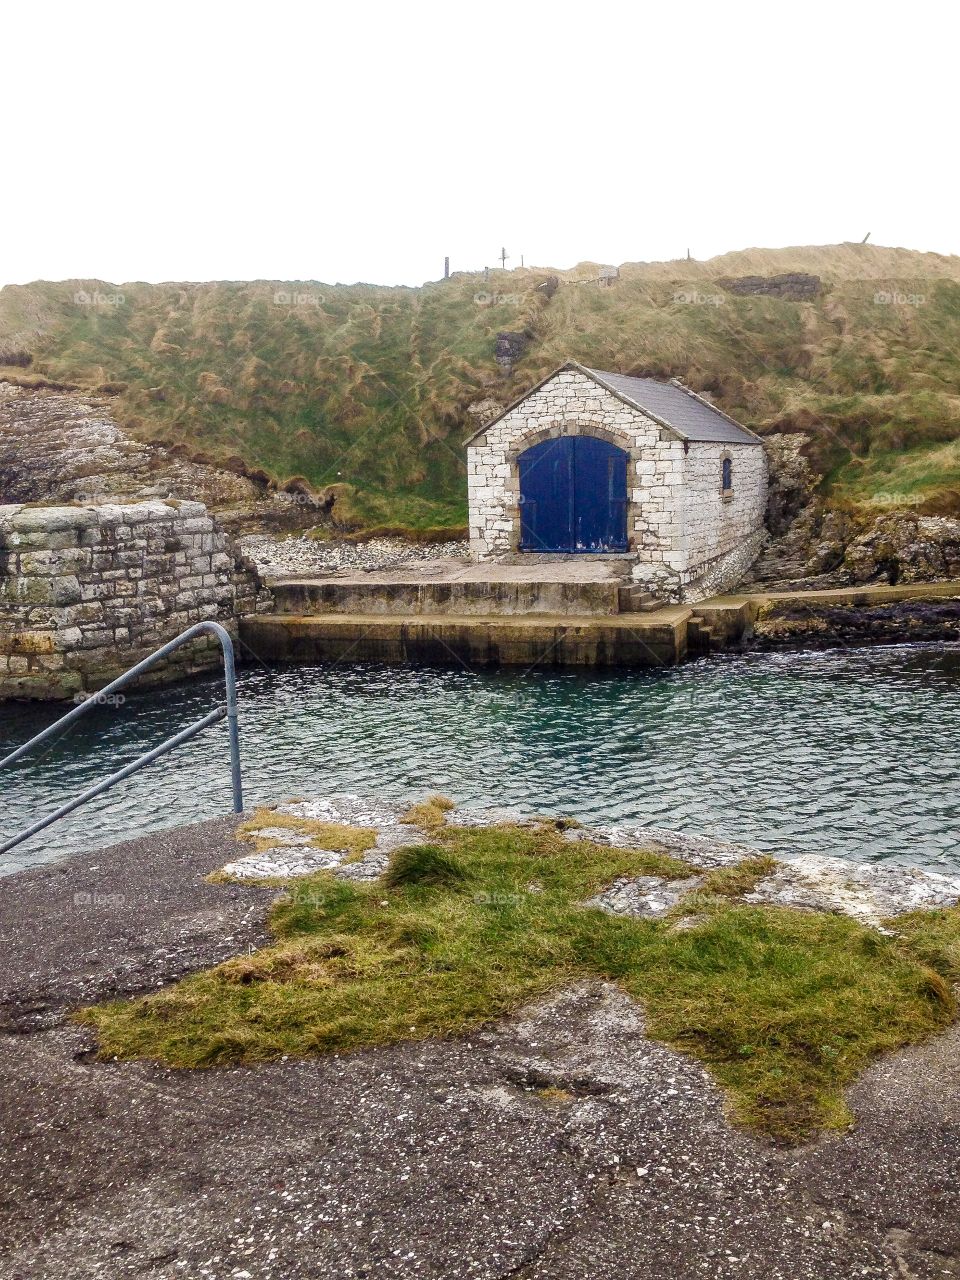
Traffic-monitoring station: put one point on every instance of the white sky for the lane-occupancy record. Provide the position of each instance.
(363, 141)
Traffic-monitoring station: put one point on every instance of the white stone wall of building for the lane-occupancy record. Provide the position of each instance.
(573, 404)
(717, 527)
(684, 532)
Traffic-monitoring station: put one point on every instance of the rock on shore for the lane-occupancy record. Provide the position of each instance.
(870, 893)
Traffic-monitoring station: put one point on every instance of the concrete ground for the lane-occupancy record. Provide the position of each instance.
(532, 568)
(436, 1159)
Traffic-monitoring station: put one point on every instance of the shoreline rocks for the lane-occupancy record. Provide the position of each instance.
(868, 892)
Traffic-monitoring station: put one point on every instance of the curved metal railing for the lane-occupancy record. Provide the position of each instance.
(228, 713)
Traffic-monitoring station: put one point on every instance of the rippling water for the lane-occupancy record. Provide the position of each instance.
(854, 753)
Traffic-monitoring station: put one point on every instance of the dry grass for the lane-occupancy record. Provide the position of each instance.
(429, 815)
(336, 836)
(367, 393)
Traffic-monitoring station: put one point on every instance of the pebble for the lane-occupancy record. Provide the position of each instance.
(283, 557)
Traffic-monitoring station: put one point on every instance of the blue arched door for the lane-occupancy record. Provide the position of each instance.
(573, 496)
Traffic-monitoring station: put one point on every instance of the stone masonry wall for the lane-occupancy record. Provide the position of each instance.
(684, 532)
(85, 592)
(573, 404)
(723, 533)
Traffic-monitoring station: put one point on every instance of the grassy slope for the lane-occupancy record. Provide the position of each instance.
(370, 387)
(786, 1007)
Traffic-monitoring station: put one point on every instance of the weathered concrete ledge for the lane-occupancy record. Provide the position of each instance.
(654, 638)
(657, 639)
(480, 598)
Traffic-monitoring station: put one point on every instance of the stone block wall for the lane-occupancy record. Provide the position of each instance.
(86, 591)
(797, 285)
(573, 404)
(723, 533)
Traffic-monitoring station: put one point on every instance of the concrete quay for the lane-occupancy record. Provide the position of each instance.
(571, 614)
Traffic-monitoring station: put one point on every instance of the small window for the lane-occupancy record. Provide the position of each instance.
(727, 475)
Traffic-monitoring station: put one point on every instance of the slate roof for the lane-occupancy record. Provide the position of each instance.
(669, 403)
(675, 406)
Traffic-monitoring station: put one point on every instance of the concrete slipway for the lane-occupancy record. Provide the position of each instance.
(577, 612)
(435, 1159)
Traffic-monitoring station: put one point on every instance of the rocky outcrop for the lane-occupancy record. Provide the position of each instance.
(483, 411)
(65, 448)
(792, 482)
(510, 347)
(108, 548)
(812, 622)
(794, 284)
(831, 532)
(841, 547)
(793, 511)
(905, 547)
(815, 545)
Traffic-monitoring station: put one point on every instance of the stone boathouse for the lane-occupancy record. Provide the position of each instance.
(595, 463)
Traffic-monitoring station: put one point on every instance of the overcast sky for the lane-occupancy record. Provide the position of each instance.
(364, 141)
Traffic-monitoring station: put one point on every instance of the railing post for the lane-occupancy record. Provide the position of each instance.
(233, 727)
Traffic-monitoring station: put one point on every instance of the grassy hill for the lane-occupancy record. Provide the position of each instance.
(368, 387)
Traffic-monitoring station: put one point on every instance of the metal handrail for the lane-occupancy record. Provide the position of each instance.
(229, 712)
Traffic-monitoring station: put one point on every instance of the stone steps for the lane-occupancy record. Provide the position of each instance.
(505, 597)
(699, 637)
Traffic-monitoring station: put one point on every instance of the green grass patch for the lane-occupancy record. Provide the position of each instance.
(785, 1007)
(899, 477)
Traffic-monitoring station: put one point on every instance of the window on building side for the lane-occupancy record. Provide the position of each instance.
(727, 474)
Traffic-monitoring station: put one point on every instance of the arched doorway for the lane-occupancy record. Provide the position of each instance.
(573, 496)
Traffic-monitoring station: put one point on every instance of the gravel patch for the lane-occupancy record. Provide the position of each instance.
(292, 557)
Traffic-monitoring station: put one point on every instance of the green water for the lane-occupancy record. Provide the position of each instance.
(855, 753)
